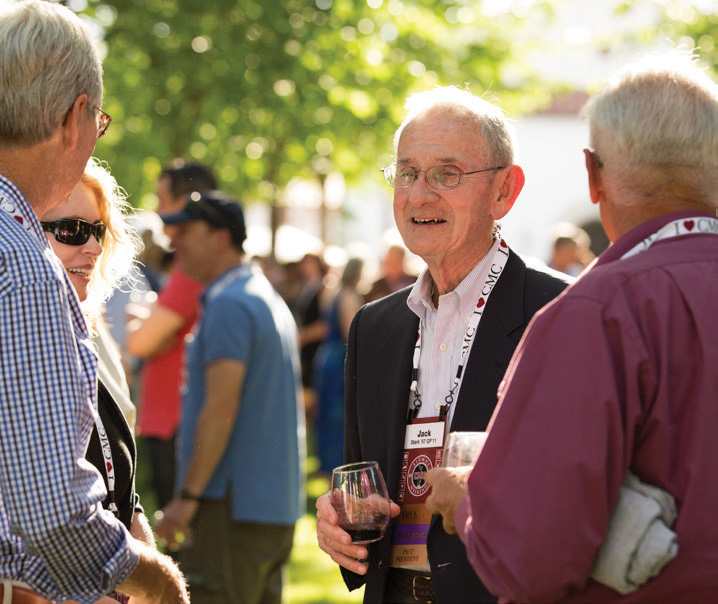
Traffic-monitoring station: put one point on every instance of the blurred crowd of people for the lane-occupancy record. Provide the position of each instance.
(154, 316)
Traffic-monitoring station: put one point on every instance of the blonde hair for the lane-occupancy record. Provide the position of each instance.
(48, 59)
(486, 118)
(116, 265)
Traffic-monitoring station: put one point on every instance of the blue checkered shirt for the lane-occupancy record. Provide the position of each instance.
(53, 532)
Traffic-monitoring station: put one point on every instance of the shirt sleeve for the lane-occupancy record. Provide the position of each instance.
(542, 491)
(50, 507)
(181, 294)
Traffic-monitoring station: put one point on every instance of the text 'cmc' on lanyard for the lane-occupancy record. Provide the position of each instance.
(498, 263)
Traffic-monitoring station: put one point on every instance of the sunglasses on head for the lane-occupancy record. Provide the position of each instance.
(73, 231)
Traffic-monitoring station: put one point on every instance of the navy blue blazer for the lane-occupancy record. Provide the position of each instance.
(377, 377)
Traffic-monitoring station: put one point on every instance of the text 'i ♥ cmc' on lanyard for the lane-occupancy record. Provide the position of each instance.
(498, 263)
(109, 464)
(706, 225)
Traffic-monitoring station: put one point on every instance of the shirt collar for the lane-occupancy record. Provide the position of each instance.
(419, 300)
(13, 202)
(468, 290)
(639, 233)
(222, 280)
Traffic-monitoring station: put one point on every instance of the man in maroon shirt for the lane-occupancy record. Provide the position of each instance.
(618, 374)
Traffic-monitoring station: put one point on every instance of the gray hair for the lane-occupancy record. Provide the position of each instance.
(48, 59)
(659, 112)
(487, 118)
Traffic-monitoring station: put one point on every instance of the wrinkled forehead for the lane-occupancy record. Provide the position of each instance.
(441, 137)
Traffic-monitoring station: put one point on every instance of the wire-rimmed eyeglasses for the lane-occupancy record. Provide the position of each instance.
(447, 177)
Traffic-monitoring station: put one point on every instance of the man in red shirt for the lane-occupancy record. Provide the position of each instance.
(619, 373)
(159, 339)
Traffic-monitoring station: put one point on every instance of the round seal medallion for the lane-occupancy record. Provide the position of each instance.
(416, 476)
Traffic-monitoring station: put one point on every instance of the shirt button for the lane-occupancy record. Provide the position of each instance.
(442, 347)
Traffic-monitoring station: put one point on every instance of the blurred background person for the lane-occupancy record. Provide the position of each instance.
(148, 274)
(91, 236)
(155, 259)
(241, 445)
(307, 310)
(329, 368)
(394, 275)
(571, 249)
(276, 274)
(158, 336)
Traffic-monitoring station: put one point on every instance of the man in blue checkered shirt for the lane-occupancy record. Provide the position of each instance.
(56, 542)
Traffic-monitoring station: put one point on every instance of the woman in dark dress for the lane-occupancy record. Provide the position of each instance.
(90, 235)
(329, 368)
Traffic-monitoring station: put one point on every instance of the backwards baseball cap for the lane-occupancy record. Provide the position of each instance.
(217, 209)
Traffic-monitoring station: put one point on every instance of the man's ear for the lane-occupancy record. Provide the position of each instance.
(510, 185)
(595, 176)
(70, 127)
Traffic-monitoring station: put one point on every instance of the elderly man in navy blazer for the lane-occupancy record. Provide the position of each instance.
(431, 356)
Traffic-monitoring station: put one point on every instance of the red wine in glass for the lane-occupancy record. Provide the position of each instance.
(365, 533)
(360, 498)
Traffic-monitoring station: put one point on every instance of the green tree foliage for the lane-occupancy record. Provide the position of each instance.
(265, 91)
(694, 27)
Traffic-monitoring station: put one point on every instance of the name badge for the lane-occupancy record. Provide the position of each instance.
(424, 436)
(423, 450)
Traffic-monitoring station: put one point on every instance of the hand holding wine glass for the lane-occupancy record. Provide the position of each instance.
(360, 499)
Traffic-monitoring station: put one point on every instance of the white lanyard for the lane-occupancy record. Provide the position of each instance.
(677, 228)
(109, 464)
(498, 264)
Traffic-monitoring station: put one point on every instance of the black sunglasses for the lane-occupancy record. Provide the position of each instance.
(73, 231)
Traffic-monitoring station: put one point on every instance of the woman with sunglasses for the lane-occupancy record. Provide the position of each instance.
(91, 236)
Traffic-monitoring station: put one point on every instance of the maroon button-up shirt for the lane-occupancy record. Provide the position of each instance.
(618, 373)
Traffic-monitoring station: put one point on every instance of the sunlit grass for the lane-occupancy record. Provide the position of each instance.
(313, 577)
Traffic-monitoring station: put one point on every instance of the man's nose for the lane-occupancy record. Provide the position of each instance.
(421, 191)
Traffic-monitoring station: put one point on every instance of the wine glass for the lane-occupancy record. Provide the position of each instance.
(462, 448)
(361, 501)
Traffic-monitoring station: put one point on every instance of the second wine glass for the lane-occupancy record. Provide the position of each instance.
(462, 448)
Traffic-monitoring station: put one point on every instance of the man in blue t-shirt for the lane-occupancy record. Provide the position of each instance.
(241, 449)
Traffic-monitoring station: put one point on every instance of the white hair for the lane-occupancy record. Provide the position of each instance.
(488, 119)
(661, 111)
(48, 59)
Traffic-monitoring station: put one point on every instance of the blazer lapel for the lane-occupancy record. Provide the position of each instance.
(492, 349)
(395, 352)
